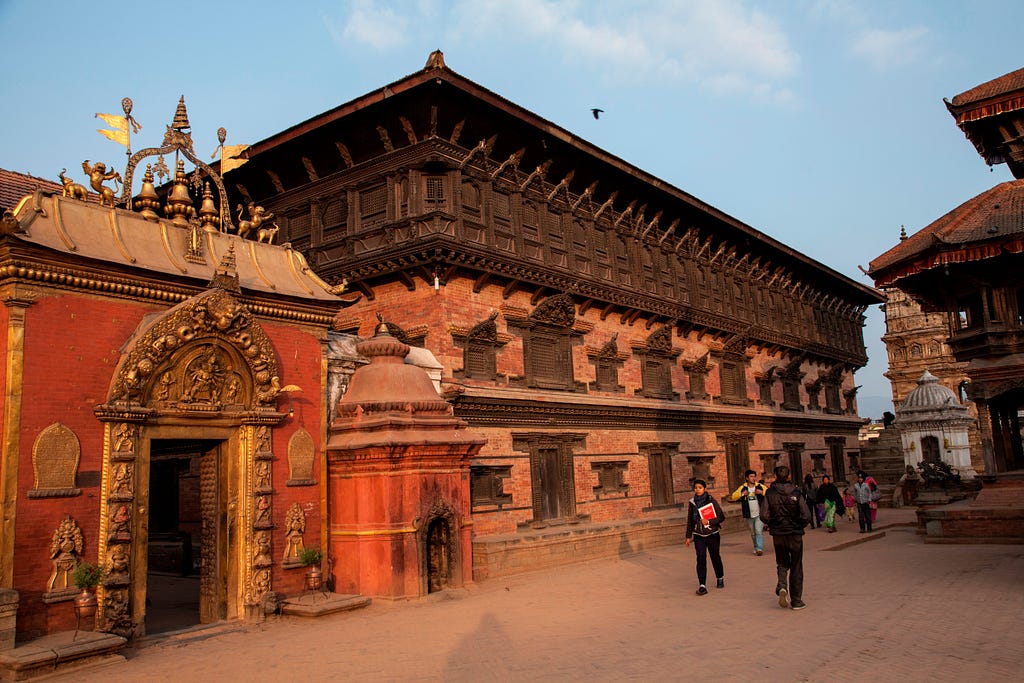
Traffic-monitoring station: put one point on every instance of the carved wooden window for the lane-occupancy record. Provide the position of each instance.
(336, 215)
(657, 378)
(552, 481)
(606, 367)
(479, 360)
(733, 375)
(832, 402)
(487, 484)
(662, 490)
(836, 446)
(402, 197)
(791, 391)
(435, 198)
(373, 206)
(581, 250)
(549, 359)
(607, 374)
(610, 478)
(470, 198)
(818, 460)
(558, 255)
(794, 458)
(737, 456)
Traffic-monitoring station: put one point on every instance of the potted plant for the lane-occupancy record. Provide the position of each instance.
(86, 577)
(310, 557)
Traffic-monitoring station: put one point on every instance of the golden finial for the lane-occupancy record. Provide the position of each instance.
(209, 216)
(181, 117)
(382, 327)
(179, 204)
(148, 200)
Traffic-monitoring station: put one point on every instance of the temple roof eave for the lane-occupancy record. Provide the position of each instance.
(124, 239)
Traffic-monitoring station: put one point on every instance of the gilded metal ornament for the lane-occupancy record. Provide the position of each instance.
(65, 554)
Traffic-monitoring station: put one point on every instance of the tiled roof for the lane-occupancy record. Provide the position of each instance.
(980, 227)
(997, 86)
(14, 186)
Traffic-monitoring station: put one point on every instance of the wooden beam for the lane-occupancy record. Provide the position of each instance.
(407, 280)
(481, 282)
(586, 306)
(507, 290)
(538, 295)
(364, 288)
(607, 310)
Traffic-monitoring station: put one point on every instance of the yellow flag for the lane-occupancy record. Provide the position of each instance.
(229, 158)
(118, 131)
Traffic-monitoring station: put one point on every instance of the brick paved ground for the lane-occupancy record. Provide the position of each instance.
(891, 608)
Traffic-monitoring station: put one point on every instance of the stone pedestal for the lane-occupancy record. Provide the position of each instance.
(398, 481)
(8, 617)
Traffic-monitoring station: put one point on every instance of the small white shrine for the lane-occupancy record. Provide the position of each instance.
(933, 426)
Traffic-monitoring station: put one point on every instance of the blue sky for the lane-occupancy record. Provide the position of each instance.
(818, 122)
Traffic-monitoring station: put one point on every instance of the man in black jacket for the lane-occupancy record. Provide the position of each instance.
(785, 515)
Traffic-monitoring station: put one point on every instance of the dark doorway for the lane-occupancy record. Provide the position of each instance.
(930, 449)
(184, 534)
(439, 574)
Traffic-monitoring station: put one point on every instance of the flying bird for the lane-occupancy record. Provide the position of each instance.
(597, 112)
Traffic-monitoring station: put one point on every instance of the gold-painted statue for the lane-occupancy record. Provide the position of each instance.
(257, 217)
(71, 188)
(97, 175)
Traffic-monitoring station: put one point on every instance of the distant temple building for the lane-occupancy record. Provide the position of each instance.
(967, 265)
(193, 388)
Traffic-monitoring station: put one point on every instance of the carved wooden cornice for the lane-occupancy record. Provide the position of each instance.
(507, 412)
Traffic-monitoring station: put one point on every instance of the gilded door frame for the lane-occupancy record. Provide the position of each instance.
(203, 369)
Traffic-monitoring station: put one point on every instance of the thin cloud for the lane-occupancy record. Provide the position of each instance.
(882, 48)
(725, 47)
(371, 24)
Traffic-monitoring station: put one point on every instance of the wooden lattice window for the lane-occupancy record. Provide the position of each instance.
(487, 484)
(657, 378)
(549, 359)
(373, 206)
(607, 374)
(479, 360)
(434, 197)
(732, 372)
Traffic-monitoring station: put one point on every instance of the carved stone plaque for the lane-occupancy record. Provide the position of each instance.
(55, 456)
(301, 453)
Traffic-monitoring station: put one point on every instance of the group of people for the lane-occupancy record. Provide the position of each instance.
(784, 509)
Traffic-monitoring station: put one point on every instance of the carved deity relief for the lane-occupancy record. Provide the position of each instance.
(116, 617)
(120, 519)
(296, 522)
(262, 507)
(261, 550)
(117, 565)
(202, 351)
(124, 438)
(65, 554)
(121, 484)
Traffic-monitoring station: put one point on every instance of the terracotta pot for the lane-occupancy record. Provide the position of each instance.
(314, 578)
(85, 604)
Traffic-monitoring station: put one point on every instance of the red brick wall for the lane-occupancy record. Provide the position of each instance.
(457, 307)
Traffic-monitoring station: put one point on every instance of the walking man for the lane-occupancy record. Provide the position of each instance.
(751, 497)
(785, 514)
(862, 494)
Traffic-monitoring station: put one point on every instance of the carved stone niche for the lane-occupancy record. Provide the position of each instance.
(701, 467)
(55, 457)
(301, 455)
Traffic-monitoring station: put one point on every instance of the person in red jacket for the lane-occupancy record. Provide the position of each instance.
(702, 526)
